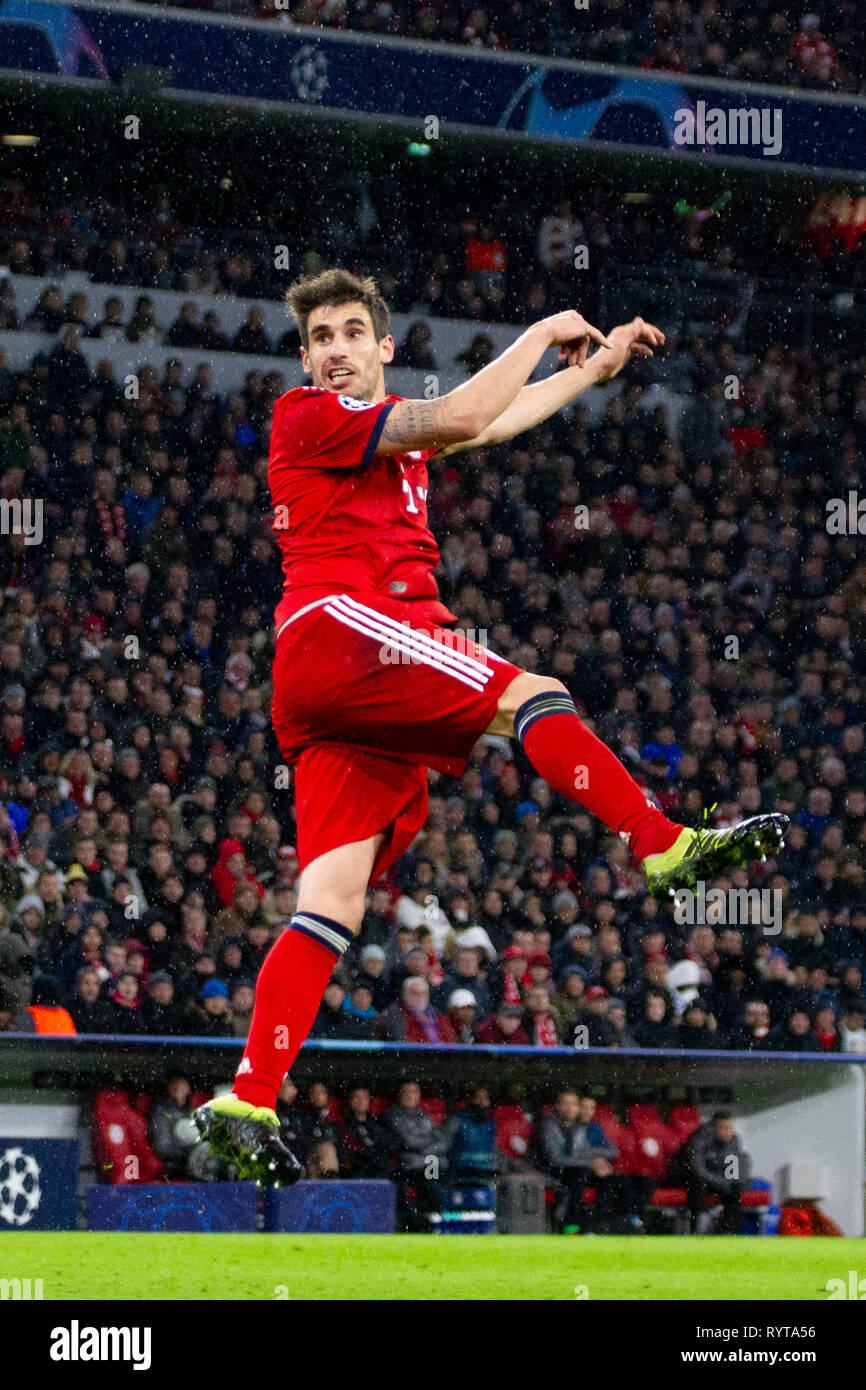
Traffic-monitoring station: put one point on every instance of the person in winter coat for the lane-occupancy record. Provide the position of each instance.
(654, 1029)
(419, 1152)
(124, 1004)
(573, 1149)
(696, 1027)
(712, 1161)
(87, 1009)
(160, 1015)
(470, 1134)
(332, 1020)
(794, 1034)
(170, 1133)
(504, 1027)
(365, 1147)
(358, 1006)
(16, 967)
(412, 1019)
(232, 868)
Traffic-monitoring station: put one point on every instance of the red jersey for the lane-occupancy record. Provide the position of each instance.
(347, 518)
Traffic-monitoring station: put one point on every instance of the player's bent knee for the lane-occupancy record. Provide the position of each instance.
(524, 686)
(521, 689)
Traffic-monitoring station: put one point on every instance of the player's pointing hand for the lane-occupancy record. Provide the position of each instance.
(627, 340)
(570, 332)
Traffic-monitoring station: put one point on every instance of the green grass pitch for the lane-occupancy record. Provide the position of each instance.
(97, 1265)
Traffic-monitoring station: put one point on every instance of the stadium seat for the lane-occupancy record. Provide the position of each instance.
(120, 1134)
(513, 1130)
(436, 1109)
(619, 1135)
(685, 1119)
(655, 1141)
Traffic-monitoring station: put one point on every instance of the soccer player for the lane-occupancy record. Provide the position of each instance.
(371, 684)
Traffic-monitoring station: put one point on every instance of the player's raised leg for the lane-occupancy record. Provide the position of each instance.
(539, 712)
(243, 1127)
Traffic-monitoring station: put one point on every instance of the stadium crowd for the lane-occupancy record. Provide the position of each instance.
(458, 266)
(739, 39)
(682, 576)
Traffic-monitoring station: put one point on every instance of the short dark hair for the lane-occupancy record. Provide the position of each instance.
(336, 286)
(721, 1115)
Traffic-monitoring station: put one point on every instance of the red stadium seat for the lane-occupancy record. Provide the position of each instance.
(685, 1119)
(513, 1130)
(621, 1136)
(655, 1141)
(436, 1109)
(120, 1146)
(378, 1104)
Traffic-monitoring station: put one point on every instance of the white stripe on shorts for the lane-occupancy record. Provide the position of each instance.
(439, 658)
(478, 669)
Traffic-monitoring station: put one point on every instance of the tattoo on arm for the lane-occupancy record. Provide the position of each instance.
(415, 423)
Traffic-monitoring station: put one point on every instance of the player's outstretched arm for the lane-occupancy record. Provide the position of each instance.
(538, 402)
(466, 412)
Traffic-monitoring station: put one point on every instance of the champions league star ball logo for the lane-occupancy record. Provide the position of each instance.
(20, 1193)
(309, 73)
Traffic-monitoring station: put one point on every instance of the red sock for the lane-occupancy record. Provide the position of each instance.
(288, 993)
(578, 765)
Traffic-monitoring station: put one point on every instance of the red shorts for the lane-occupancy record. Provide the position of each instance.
(365, 699)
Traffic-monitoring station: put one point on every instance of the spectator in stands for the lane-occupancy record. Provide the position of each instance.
(185, 332)
(124, 1004)
(712, 1162)
(251, 337)
(504, 1027)
(142, 326)
(462, 1012)
(364, 1018)
(415, 351)
(331, 1021)
(852, 1029)
(287, 1112)
(16, 968)
(160, 1015)
(751, 1035)
(465, 974)
(212, 1016)
(616, 1017)
(241, 999)
(111, 326)
(654, 1029)
(411, 1018)
(574, 1152)
(47, 314)
(540, 1022)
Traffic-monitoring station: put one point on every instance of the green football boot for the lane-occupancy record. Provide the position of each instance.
(248, 1137)
(699, 855)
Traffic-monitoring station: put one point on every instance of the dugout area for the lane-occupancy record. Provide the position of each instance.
(801, 1119)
